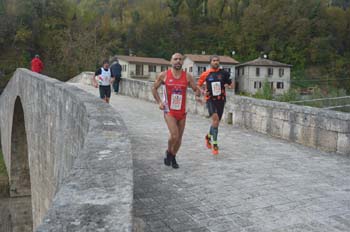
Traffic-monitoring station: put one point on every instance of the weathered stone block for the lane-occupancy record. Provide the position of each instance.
(256, 123)
(237, 117)
(343, 143)
(264, 124)
(247, 118)
(262, 111)
(277, 127)
(308, 136)
(281, 114)
(341, 126)
(327, 140)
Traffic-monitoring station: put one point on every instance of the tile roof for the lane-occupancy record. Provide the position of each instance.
(144, 60)
(264, 62)
(205, 59)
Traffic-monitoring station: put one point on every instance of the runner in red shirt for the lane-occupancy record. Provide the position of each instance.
(175, 82)
(216, 79)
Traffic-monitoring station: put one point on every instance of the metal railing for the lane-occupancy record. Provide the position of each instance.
(331, 103)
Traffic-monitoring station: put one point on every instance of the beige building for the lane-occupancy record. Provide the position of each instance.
(142, 67)
(196, 64)
(251, 75)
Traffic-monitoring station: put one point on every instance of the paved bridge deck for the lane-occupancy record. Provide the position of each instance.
(257, 183)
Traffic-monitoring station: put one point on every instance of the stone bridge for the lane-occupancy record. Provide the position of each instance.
(69, 152)
(92, 167)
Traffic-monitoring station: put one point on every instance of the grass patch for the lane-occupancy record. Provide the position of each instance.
(3, 171)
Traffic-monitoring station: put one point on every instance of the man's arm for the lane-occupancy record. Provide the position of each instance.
(202, 78)
(94, 82)
(159, 81)
(112, 80)
(120, 71)
(116, 70)
(233, 85)
(202, 81)
(229, 82)
(112, 71)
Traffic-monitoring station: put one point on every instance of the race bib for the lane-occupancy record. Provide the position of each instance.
(216, 88)
(176, 101)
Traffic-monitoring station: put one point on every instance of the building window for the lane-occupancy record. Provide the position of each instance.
(271, 85)
(270, 71)
(257, 72)
(124, 67)
(190, 69)
(257, 84)
(281, 72)
(152, 68)
(280, 85)
(163, 68)
(227, 70)
(242, 71)
(201, 69)
(139, 69)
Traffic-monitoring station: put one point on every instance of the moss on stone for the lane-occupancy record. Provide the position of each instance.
(3, 171)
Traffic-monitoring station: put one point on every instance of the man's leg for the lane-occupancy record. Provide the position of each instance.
(116, 85)
(214, 132)
(174, 132)
(176, 129)
(108, 93)
(181, 126)
(211, 110)
(219, 110)
(103, 95)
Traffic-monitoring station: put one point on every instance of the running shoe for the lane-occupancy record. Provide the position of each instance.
(168, 158)
(208, 142)
(215, 150)
(174, 163)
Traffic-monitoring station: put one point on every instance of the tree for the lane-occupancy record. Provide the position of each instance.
(174, 6)
(265, 92)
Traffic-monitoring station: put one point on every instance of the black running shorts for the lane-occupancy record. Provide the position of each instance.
(215, 106)
(105, 91)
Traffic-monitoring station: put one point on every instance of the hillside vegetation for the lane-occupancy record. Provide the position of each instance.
(76, 35)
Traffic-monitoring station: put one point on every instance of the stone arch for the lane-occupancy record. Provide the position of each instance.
(19, 171)
(3, 178)
(20, 187)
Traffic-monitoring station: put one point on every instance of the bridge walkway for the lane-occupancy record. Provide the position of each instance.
(257, 183)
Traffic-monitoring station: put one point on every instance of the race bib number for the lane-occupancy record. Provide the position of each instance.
(176, 101)
(216, 88)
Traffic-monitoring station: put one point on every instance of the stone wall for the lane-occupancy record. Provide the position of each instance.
(16, 214)
(322, 129)
(84, 78)
(78, 151)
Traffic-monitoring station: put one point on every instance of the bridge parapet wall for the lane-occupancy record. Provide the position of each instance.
(79, 155)
(322, 129)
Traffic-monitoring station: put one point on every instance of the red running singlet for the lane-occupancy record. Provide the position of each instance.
(174, 95)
